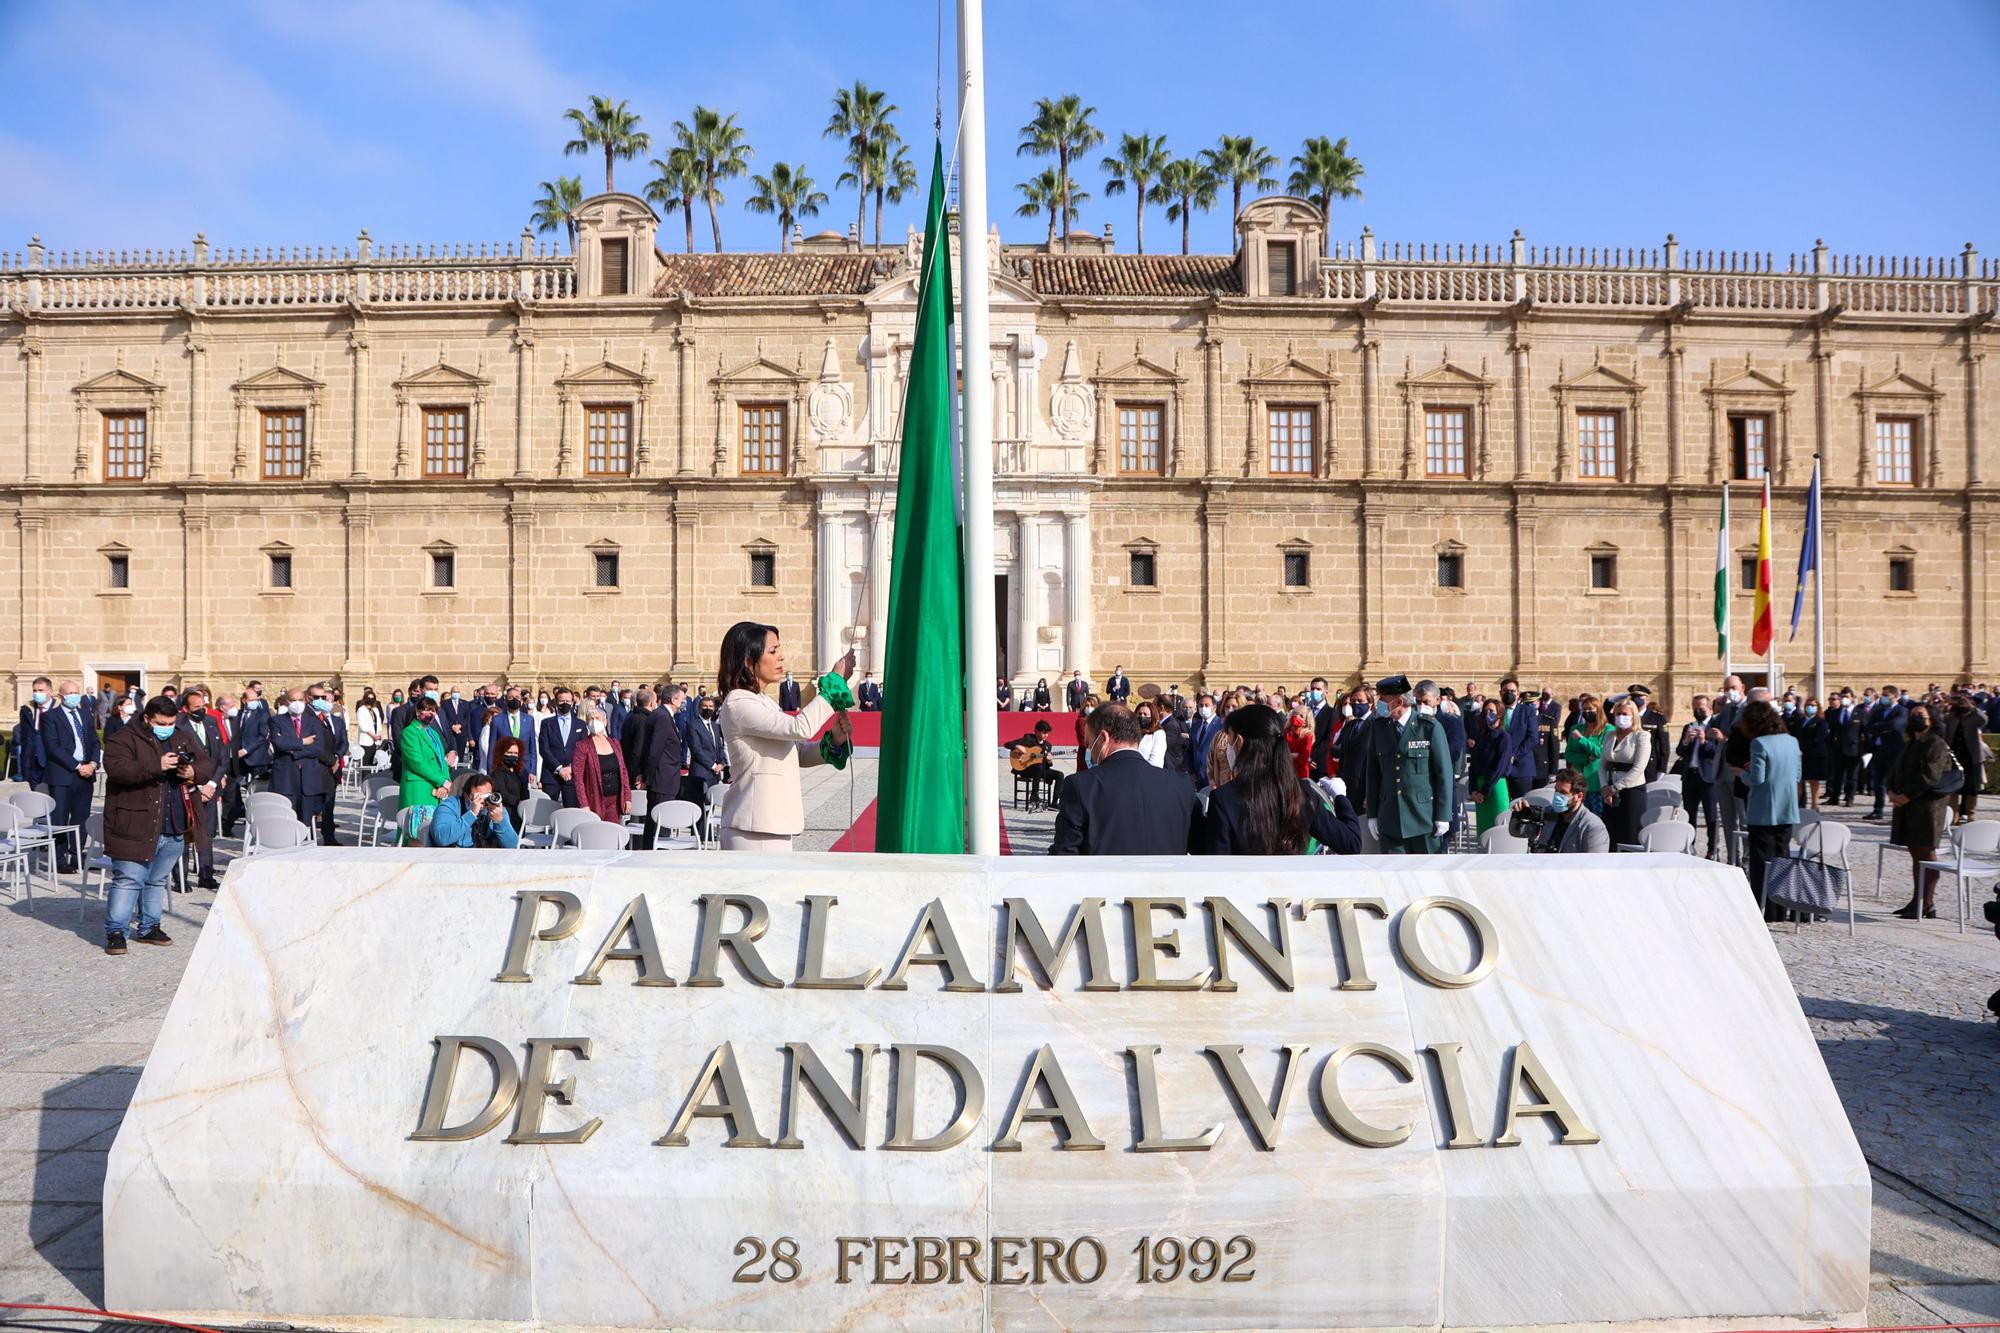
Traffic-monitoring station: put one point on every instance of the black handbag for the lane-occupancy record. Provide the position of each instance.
(1953, 782)
(1804, 884)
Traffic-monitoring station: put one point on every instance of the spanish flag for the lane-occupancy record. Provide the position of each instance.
(1760, 626)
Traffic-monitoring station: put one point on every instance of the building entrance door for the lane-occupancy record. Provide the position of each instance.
(119, 680)
(1006, 659)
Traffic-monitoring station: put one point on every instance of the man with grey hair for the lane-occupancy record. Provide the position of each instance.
(1429, 701)
(1729, 811)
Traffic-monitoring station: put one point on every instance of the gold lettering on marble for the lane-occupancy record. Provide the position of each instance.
(1525, 1068)
(1347, 935)
(444, 1073)
(1457, 1106)
(1273, 954)
(734, 1105)
(645, 950)
(742, 941)
(1146, 945)
(946, 954)
(971, 1098)
(1021, 924)
(1152, 1138)
(805, 1068)
(1045, 1074)
(1267, 1119)
(536, 1089)
(812, 976)
(527, 909)
(1409, 943)
(1350, 1125)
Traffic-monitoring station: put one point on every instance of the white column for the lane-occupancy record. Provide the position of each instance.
(878, 594)
(1028, 594)
(832, 600)
(982, 724)
(1076, 584)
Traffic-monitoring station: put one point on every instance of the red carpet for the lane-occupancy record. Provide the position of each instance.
(861, 837)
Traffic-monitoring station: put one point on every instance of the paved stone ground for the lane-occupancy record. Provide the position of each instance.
(1899, 1012)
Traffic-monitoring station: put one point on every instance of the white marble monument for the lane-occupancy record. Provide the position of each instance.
(708, 1091)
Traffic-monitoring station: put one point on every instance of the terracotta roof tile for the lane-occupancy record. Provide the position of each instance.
(768, 275)
(1133, 275)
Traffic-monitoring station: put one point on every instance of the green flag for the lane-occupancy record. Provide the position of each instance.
(921, 788)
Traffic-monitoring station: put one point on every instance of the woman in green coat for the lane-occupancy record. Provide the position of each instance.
(1585, 748)
(426, 776)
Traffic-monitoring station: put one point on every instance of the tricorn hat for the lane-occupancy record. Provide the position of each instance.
(1396, 684)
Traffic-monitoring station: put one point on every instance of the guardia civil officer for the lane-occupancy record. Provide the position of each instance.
(1405, 777)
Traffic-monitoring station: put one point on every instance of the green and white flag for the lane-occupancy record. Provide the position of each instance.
(1722, 581)
(920, 800)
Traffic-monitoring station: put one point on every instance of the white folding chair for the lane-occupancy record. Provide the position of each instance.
(675, 827)
(599, 836)
(39, 807)
(96, 862)
(564, 824)
(711, 829)
(1497, 840)
(14, 848)
(1976, 836)
(1673, 836)
(1825, 841)
(276, 835)
(1884, 847)
(381, 812)
(538, 828)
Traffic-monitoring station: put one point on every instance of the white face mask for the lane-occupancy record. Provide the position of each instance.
(1623, 722)
(295, 707)
(1428, 710)
(1736, 696)
(597, 726)
(1207, 713)
(127, 711)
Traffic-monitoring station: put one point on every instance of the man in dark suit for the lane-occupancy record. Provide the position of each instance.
(1077, 692)
(514, 719)
(788, 694)
(1201, 734)
(206, 728)
(28, 761)
(556, 743)
(1522, 722)
(617, 707)
(634, 733)
(1845, 744)
(1326, 720)
(71, 752)
(707, 757)
(458, 717)
(1548, 739)
(1121, 805)
(660, 756)
(1118, 689)
(869, 694)
(1884, 731)
(1354, 737)
(319, 700)
(300, 739)
(1700, 765)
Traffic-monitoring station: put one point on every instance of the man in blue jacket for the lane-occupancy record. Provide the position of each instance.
(70, 749)
(28, 760)
(1205, 729)
(473, 818)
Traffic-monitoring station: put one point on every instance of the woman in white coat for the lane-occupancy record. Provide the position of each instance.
(767, 746)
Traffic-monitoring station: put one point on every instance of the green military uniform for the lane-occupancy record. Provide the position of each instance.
(1407, 786)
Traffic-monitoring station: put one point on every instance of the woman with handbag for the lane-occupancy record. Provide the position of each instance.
(1771, 781)
(1921, 785)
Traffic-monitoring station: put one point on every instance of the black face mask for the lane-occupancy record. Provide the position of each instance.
(513, 705)
(708, 714)
(564, 709)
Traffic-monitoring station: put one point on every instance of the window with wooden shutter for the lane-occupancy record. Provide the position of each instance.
(1896, 451)
(607, 438)
(284, 430)
(1597, 445)
(444, 441)
(1140, 428)
(612, 255)
(1444, 441)
(1749, 445)
(762, 428)
(1292, 434)
(1280, 267)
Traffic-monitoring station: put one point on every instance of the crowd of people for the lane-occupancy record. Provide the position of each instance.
(1242, 771)
(1409, 760)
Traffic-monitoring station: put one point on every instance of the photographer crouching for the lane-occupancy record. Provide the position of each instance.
(1565, 826)
(151, 772)
(475, 817)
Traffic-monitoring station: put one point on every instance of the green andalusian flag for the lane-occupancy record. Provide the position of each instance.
(1722, 581)
(921, 789)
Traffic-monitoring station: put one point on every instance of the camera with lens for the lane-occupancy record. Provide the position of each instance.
(489, 801)
(182, 758)
(1530, 822)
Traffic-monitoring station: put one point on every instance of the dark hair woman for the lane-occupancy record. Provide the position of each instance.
(1266, 809)
(1918, 820)
(510, 776)
(1770, 791)
(764, 809)
(1044, 701)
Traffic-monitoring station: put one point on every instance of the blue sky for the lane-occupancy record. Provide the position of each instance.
(1745, 126)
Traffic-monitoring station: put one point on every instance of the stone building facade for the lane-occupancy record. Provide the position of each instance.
(1461, 461)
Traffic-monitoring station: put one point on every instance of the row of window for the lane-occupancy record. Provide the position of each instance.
(1291, 431)
(444, 569)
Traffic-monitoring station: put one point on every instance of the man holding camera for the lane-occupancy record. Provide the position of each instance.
(1570, 827)
(151, 772)
(476, 817)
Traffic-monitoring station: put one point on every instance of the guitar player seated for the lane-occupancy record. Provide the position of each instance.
(1031, 757)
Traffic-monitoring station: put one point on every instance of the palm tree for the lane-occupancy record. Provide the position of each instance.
(1187, 184)
(1061, 127)
(714, 143)
(1045, 194)
(1324, 172)
(610, 127)
(557, 206)
(886, 169)
(676, 186)
(861, 116)
(1241, 160)
(1138, 162)
(789, 193)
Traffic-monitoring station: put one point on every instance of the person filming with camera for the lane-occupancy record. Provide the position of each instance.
(475, 817)
(1567, 826)
(151, 772)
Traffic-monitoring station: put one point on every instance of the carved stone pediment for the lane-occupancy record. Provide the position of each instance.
(115, 382)
(1900, 384)
(1140, 371)
(604, 374)
(1447, 375)
(443, 377)
(278, 379)
(1290, 370)
(760, 370)
(1748, 380)
(1604, 379)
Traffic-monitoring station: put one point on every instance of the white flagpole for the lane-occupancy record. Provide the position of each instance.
(982, 726)
(1819, 590)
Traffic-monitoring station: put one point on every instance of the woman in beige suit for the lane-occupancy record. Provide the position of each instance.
(767, 746)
